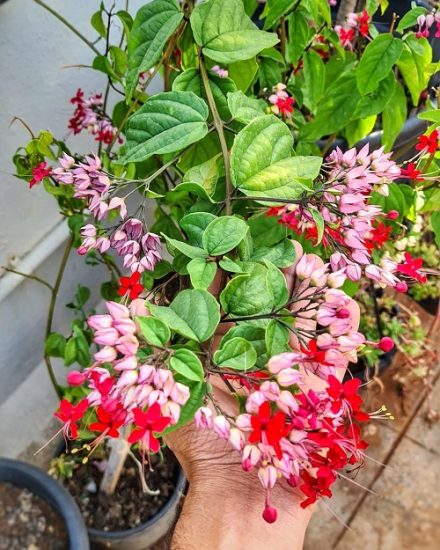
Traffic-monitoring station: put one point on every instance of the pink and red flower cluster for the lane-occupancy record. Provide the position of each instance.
(356, 24)
(121, 390)
(425, 22)
(281, 102)
(89, 115)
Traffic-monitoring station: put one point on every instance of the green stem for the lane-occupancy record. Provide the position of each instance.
(51, 312)
(27, 276)
(218, 124)
(68, 25)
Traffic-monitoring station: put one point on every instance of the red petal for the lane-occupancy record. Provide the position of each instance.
(136, 435)
(160, 424)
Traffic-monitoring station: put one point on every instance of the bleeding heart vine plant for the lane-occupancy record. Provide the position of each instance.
(246, 275)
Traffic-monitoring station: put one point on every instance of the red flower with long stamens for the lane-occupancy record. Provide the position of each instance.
(109, 420)
(39, 173)
(313, 353)
(148, 423)
(346, 394)
(285, 105)
(410, 267)
(315, 487)
(131, 286)
(70, 414)
(411, 172)
(428, 143)
(268, 429)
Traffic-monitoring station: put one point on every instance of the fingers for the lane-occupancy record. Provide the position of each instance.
(289, 272)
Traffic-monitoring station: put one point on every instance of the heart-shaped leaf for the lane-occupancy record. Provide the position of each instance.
(223, 234)
(237, 353)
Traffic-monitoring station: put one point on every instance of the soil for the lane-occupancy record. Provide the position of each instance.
(129, 506)
(28, 522)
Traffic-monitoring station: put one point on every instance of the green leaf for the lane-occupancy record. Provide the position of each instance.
(314, 79)
(282, 254)
(185, 248)
(193, 314)
(155, 331)
(277, 284)
(413, 64)
(83, 356)
(358, 129)
(197, 393)
(269, 73)
(55, 345)
(223, 234)
(265, 230)
(375, 102)
(225, 33)
(335, 110)
(166, 123)
(277, 338)
(299, 34)
(410, 19)
(244, 108)
(435, 223)
(243, 73)
(186, 363)
(377, 61)
(273, 10)
(432, 115)
(201, 273)
(262, 165)
(237, 353)
(98, 24)
(70, 352)
(319, 222)
(206, 174)
(247, 294)
(194, 225)
(153, 25)
(250, 332)
(394, 117)
(229, 265)
(190, 81)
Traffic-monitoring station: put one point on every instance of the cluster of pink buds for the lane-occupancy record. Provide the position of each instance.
(351, 225)
(425, 22)
(281, 102)
(139, 248)
(89, 115)
(121, 390)
(357, 24)
(220, 71)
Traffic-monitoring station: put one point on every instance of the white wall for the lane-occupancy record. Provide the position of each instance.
(34, 48)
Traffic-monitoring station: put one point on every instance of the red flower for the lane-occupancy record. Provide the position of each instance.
(110, 418)
(314, 354)
(268, 429)
(274, 211)
(346, 36)
(39, 172)
(285, 105)
(346, 394)
(411, 172)
(364, 23)
(147, 423)
(410, 267)
(70, 414)
(131, 285)
(430, 143)
(315, 487)
(379, 236)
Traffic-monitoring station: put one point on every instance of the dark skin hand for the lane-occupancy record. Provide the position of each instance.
(224, 504)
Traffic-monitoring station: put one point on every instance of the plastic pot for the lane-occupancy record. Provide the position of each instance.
(42, 485)
(147, 534)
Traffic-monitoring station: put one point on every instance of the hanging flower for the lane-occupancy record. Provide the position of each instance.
(147, 424)
(39, 173)
(428, 144)
(131, 286)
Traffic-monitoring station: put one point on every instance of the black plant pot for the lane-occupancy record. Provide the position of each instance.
(42, 485)
(147, 534)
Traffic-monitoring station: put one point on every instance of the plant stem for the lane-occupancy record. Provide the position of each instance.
(267, 199)
(218, 124)
(51, 312)
(33, 277)
(68, 25)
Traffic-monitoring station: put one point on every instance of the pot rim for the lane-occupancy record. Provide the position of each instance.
(30, 477)
(171, 502)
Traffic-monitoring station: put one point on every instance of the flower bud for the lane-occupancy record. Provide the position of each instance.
(76, 378)
(288, 377)
(386, 344)
(128, 363)
(99, 322)
(393, 215)
(221, 426)
(106, 337)
(401, 287)
(106, 355)
(203, 418)
(267, 476)
(117, 311)
(269, 514)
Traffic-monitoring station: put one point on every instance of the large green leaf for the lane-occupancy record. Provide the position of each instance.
(190, 81)
(355, 131)
(223, 234)
(274, 9)
(282, 254)
(393, 117)
(167, 123)
(299, 34)
(335, 110)
(413, 64)
(155, 331)
(277, 284)
(247, 294)
(185, 248)
(244, 108)
(251, 332)
(225, 33)
(201, 273)
(377, 61)
(375, 102)
(410, 19)
(193, 314)
(153, 25)
(187, 364)
(243, 73)
(277, 338)
(236, 353)
(194, 225)
(314, 79)
(262, 165)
